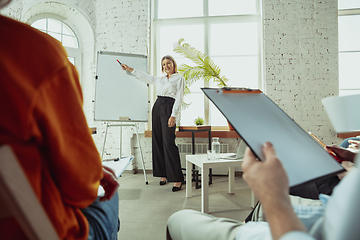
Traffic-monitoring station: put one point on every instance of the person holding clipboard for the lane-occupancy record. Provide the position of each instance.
(170, 94)
(50, 138)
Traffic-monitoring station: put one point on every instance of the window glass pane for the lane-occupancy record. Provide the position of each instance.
(70, 41)
(195, 110)
(348, 4)
(54, 25)
(193, 34)
(241, 71)
(182, 60)
(231, 7)
(196, 86)
(39, 24)
(232, 42)
(67, 36)
(67, 30)
(349, 70)
(234, 39)
(179, 9)
(55, 35)
(349, 33)
(348, 92)
(216, 117)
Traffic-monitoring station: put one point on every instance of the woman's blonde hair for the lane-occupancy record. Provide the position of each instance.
(171, 59)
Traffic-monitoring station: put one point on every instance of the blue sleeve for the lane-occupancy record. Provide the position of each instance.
(297, 235)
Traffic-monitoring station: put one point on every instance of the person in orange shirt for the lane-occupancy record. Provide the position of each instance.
(43, 121)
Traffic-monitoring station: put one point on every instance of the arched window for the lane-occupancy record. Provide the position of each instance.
(62, 32)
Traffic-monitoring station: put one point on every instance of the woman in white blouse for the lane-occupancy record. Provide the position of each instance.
(170, 93)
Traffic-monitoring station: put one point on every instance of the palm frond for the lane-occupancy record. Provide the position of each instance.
(188, 51)
(205, 69)
(185, 105)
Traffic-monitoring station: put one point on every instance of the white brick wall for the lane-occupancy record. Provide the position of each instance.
(300, 56)
(123, 26)
(301, 60)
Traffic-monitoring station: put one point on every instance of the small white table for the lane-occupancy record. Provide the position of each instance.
(201, 161)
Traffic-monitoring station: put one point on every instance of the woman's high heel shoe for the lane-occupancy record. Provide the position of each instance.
(175, 189)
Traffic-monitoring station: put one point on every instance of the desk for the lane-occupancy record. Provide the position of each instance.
(201, 161)
(193, 130)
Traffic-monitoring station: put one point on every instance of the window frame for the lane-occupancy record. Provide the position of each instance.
(206, 20)
(341, 13)
(71, 52)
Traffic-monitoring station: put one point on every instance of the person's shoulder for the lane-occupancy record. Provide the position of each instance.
(181, 77)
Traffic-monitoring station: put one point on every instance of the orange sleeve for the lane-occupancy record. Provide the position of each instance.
(74, 161)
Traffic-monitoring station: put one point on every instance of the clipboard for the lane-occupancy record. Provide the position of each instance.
(324, 145)
(257, 119)
(119, 166)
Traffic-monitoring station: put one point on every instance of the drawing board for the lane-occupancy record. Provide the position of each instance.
(119, 96)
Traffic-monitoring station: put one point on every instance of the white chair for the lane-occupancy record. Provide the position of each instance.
(18, 199)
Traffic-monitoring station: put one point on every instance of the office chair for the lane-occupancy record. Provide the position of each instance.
(18, 199)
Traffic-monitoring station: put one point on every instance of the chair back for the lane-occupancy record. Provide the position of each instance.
(18, 199)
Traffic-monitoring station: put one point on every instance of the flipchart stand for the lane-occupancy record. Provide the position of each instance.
(137, 136)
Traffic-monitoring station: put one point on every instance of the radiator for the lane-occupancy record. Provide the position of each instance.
(200, 148)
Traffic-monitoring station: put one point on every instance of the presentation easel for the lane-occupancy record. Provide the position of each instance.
(127, 124)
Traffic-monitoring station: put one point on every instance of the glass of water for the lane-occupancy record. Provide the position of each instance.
(210, 156)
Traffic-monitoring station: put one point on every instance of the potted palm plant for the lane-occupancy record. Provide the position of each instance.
(204, 67)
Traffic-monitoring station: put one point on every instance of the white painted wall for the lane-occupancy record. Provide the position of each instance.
(300, 57)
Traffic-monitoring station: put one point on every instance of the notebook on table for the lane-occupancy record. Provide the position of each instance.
(235, 156)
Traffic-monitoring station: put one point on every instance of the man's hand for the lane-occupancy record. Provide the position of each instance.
(109, 183)
(343, 153)
(348, 166)
(267, 179)
(270, 184)
(354, 144)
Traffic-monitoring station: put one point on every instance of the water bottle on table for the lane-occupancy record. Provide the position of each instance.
(215, 148)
